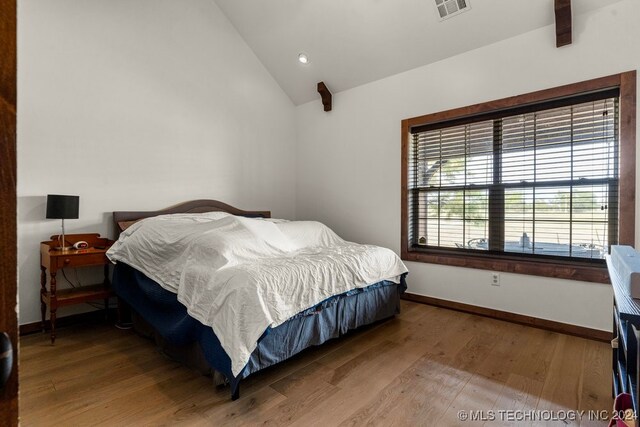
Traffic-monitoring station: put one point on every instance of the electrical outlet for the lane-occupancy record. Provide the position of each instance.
(495, 279)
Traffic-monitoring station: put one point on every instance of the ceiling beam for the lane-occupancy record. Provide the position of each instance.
(563, 22)
(323, 90)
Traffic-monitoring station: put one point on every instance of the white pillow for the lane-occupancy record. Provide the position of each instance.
(305, 234)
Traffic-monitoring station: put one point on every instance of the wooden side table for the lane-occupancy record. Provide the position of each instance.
(53, 259)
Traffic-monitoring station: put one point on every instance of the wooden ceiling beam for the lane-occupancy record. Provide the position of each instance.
(563, 22)
(323, 90)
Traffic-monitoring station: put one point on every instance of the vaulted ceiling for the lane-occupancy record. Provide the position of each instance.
(353, 42)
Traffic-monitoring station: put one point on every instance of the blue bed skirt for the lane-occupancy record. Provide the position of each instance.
(329, 319)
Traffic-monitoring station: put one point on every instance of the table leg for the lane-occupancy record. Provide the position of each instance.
(43, 294)
(53, 306)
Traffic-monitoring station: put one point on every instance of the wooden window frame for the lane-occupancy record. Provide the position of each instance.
(626, 83)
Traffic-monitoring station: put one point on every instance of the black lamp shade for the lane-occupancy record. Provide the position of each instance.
(62, 207)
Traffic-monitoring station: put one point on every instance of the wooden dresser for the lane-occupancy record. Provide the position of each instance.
(626, 331)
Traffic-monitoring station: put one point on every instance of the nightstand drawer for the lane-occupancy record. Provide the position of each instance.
(81, 260)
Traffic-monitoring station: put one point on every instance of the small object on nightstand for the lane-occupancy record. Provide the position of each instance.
(81, 245)
(53, 260)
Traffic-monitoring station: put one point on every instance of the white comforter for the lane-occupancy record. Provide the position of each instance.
(241, 276)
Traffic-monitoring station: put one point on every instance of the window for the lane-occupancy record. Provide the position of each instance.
(528, 184)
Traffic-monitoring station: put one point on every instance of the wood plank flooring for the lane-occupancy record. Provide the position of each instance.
(420, 368)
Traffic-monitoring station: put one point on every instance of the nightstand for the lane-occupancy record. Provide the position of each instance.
(54, 260)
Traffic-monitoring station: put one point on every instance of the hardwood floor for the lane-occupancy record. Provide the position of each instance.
(420, 368)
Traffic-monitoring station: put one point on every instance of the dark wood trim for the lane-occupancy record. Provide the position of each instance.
(627, 185)
(404, 191)
(8, 236)
(562, 10)
(626, 83)
(549, 325)
(558, 270)
(95, 316)
(324, 92)
(602, 83)
(522, 109)
(192, 206)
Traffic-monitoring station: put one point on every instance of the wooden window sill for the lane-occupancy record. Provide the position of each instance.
(551, 268)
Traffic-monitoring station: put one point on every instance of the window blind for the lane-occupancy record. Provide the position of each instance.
(538, 180)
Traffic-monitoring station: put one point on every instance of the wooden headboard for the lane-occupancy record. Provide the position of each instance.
(123, 219)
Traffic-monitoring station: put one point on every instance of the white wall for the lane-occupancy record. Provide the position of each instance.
(139, 105)
(349, 159)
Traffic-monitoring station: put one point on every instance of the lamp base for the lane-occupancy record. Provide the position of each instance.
(61, 248)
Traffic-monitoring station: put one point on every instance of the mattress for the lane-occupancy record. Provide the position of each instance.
(331, 318)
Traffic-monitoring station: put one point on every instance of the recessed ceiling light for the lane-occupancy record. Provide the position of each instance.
(303, 58)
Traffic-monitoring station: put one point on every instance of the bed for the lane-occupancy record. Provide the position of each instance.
(185, 327)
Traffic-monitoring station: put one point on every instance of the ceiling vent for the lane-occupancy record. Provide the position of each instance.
(449, 8)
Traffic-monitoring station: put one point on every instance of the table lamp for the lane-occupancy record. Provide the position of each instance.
(62, 207)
